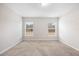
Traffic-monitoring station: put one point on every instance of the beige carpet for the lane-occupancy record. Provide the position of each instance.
(41, 48)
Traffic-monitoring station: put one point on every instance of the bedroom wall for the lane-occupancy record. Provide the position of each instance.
(10, 28)
(40, 28)
(69, 28)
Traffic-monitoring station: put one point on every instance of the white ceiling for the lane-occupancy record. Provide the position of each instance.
(36, 10)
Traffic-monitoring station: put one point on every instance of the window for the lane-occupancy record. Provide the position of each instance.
(29, 29)
(51, 29)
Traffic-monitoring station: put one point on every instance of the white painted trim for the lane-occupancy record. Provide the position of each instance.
(10, 47)
(64, 42)
(40, 39)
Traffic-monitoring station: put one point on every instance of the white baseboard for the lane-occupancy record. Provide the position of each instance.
(40, 39)
(64, 42)
(10, 47)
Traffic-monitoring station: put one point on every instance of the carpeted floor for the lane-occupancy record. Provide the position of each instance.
(41, 48)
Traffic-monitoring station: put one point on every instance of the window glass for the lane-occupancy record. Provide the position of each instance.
(51, 29)
(29, 29)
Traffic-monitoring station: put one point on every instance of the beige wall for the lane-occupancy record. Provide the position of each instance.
(10, 28)
(69, 28)
(40, 28)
